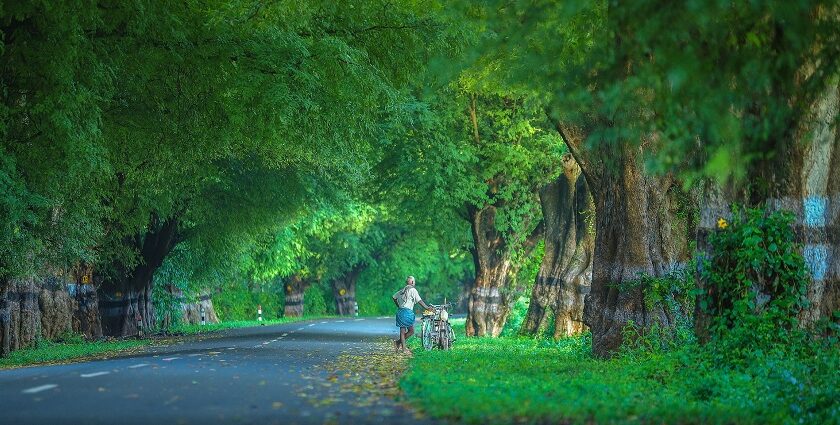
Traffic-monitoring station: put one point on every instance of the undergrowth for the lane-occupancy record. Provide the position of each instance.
(752, 365)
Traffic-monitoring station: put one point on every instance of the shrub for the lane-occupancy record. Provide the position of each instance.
(755, 280)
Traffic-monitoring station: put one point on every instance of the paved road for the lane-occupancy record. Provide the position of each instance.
(264, 375)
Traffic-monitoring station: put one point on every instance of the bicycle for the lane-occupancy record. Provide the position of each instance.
(436, 331)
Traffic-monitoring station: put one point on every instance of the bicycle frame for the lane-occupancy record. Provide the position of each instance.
(436, 332)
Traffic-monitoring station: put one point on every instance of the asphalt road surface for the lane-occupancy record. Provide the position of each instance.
(266, 375)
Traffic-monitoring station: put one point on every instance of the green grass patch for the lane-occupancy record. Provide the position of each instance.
(56, 352)
(512, 379)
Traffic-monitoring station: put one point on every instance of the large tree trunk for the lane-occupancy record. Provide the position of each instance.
(565, 274)
(20, 314)
(35, 307)
(126, 301)
(818, 193)
(57, 308)
(637, 233)
(294, 290)
(641, 229)
(491, 294)
(803, 178)
(344, 290)
(5, 319)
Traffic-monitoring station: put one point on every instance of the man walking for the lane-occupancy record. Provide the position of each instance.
(405, 299)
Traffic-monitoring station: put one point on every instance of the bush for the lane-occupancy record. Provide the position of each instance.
(318, 301)
(238, 302)
(517, 315)
(674, 292)
(755, 282)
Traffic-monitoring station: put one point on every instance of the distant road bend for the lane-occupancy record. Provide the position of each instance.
(266, 375)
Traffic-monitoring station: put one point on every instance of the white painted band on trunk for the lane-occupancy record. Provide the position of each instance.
(816, 258)
(817, 210)
(814, 208)
(36, 390)
(485, 308)
(486, 291)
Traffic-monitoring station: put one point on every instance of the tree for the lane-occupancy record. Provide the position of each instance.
(226, 146)
(478, 155)
(645, 110)
(565, 274)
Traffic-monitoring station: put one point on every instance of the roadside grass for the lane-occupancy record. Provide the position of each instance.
(56, 352)
(521, 380)
(75, 347)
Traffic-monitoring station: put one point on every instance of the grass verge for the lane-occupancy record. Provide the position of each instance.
(518, 380)
(57, 352)
(74, 347)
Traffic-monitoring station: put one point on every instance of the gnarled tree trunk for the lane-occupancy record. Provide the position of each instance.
(294, 290)
(43, 307)
(86, 319)
(641, 228)
(490, 296)
(126, 301)
(565, 274)
(818, 193)
(191, 311)
(5, 319)
(344, 290)
(20, 314)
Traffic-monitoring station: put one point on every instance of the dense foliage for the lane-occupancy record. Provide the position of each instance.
(316, 153)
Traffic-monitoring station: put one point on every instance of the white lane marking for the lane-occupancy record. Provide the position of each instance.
(94, 374)
(195, 354)
(339, 321)
(284, 334)
(138, 365)
(312, 324)
(36, 390)
(300, 329)
(359, 320)
(266, 343)
(169, 359)
(231, 348)
(321, 323)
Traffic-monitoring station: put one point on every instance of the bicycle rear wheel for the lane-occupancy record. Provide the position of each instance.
(445, 337)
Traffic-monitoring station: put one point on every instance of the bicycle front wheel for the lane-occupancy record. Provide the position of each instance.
(426, 334)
